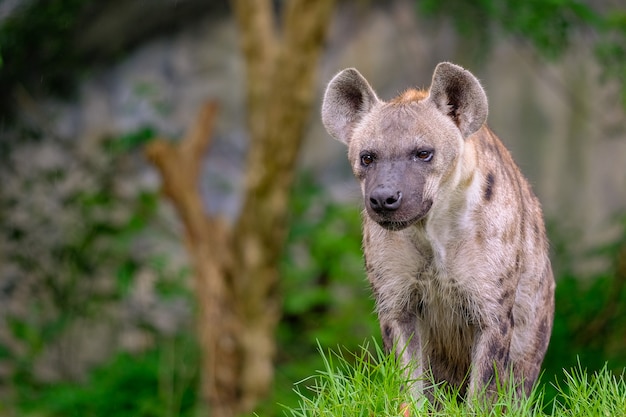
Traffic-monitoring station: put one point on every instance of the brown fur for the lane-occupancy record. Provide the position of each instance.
(410, 95)
(454, 238)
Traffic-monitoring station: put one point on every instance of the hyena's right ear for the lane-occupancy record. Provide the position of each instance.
(459, 95)
(348, 98)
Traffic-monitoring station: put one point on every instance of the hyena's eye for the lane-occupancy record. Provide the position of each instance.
(424, 155)
(367, 159)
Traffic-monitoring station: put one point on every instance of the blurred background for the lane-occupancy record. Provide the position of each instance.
(127, 280)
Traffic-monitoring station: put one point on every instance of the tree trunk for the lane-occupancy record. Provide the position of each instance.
(281, 91)
(235, 266)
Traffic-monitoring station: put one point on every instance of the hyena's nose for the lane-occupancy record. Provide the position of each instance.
(383, 199)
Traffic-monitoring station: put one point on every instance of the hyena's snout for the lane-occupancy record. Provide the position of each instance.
(394, 209)
(385, 199)
(392, 194)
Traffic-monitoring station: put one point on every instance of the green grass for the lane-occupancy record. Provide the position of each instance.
(369, 384)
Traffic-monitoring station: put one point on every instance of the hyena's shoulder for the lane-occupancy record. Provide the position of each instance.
(505, 195)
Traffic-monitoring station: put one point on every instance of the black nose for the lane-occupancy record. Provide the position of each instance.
(383, 199)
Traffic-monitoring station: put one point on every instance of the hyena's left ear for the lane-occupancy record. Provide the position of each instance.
(347, 99)
(459, 95)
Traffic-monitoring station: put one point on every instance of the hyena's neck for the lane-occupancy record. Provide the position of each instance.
(450, 218)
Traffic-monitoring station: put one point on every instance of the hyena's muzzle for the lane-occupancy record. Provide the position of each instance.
(393, 193)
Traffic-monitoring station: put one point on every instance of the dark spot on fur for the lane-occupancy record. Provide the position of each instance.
(523, 212)
(505, 296)
(387, 338)
(528, 386)
(511, 273)
(543, 335)
(491, 180)
(480, 237)
(496, 151)
(543, 326)
(487, 375)
(503, 355)
(484, 146)
(493, 348)
(511, 318)
(504, 328)
(510, 232)
(543, 341)
(387, 331)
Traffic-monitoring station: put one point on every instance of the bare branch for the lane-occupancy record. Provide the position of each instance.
(179, 165)
(199, 137)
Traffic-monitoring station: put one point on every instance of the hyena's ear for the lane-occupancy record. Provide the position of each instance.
(348, 98)
(459, 95)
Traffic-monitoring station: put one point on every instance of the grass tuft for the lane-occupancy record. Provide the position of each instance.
(369, 383)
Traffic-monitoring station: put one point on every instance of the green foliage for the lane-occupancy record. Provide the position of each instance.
(158, 383)
(589, 319)
(36, 38)
(130, 141)
(323, 250)
(48, 46)
(78, 234)
(369, 385)
(70, 228)
(611, 49)
(577, 330)
(325, 293)
(323, 278)
(550, 25)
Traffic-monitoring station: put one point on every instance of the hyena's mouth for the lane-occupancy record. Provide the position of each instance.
(394, 224)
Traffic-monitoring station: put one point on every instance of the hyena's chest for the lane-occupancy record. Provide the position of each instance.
(410, 275)
(442, 309)
(447, 328)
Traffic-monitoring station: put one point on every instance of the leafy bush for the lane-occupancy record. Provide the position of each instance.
(158, 383)
(82, 279)
(322, 270)
(589, 317)
(71, 237)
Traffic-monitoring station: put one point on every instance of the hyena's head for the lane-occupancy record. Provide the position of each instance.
(405, 152)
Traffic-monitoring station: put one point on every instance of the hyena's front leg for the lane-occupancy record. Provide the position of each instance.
(400, 336)
(490, 361)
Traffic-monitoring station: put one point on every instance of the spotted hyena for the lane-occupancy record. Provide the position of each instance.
(454, 239)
